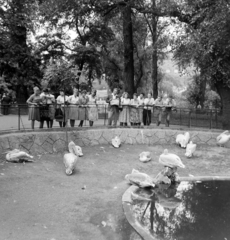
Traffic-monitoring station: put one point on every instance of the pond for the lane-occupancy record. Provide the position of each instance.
(188, 211)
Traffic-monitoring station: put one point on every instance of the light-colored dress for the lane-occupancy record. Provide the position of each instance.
(92, 108)
(83, 112)
(73, 107)
(34, 111)
(124, 114)
(65, 109)
(134, 111)
(140, 109)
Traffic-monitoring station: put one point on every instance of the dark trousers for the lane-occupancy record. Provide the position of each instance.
(146, 117)
(114, 115)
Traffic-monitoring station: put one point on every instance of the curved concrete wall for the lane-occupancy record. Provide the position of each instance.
(43, 142)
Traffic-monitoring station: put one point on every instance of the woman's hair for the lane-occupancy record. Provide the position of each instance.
(135, 94)
(150, 93)
(83, 91)
(36, 88)
(125, 93)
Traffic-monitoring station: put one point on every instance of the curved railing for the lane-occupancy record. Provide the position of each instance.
(16, 117)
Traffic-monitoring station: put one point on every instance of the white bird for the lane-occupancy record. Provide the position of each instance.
(140, 179)
(183, 139)
(116, 142)
(170, 160)
(145, 156)
(190, 149)
(70, 159)
(223, 138)
(18, 156)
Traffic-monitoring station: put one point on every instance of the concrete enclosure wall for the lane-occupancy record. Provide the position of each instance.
(53, 142)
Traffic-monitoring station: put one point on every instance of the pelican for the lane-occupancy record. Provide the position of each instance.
(223, 138)
(145, 156)
(70, 159)
(116, 142)
(183, 139)
(140, 179)
(190, 149)
(18, 156)
(170, 160)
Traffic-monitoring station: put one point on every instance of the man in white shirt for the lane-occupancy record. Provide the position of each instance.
(113, 109)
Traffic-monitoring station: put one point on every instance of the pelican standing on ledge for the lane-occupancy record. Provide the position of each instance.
(70, 159)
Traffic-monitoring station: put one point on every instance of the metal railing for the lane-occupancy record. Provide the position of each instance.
(16, 117)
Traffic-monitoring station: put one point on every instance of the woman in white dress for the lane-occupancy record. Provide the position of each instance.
(134, 111)
(124, 114)
(141, 100)
(73, 101)
(62, 104)
(92, 109)
(148, 106)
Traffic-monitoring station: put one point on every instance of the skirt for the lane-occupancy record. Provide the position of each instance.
(65, 112)
(73, 112)
(44, 113)
(92, 113)
(140, 112)
(134, 115)
(83, 113)
(124, 115)
(34, 113)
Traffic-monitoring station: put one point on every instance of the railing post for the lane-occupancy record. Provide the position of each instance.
(105, 115)
(19, 113)
(180, 117)
(210, 120)
(189, 121)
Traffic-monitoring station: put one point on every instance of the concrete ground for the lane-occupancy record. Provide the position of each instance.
(39, 202)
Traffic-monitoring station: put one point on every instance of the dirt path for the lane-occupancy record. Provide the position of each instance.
(38, 201)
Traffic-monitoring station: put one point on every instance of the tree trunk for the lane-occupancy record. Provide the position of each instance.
(203, 82)
(128, 49)
(224, 92)
(154, 54)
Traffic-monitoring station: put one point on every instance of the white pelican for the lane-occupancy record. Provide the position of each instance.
(170, 160)
(190, 149)
(18, 156)
(116, 142)
(70, 159)
(145, 156)
(183, 139)
(140, 179)
(223, 138)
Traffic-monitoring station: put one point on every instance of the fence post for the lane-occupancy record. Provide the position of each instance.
(210, 120)
(189, 121)
(105, 115)
(180, 117)
(19, 113)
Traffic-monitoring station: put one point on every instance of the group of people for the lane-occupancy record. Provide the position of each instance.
(79, 106)
(139, 109)
(43, 107)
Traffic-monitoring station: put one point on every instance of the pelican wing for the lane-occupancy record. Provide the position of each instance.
(171, 160)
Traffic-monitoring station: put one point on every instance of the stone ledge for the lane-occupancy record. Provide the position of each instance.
(42, 142)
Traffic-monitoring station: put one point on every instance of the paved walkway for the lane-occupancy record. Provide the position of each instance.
(12, 122)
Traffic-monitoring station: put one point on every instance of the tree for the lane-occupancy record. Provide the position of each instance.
(19, 67)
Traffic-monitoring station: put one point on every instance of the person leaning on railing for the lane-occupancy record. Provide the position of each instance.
(47, 109)
(148, 107)
(92, 109)
(34, 101)
(61, 113)
(141, 101)
(73, 101)
(158, 108)
(113, 110)
(83, 112)
(170, 105)
(124, 114)
(134, 111)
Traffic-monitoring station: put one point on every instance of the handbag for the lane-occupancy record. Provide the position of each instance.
(58, 114)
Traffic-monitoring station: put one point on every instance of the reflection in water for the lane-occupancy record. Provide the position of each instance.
(188, 211)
